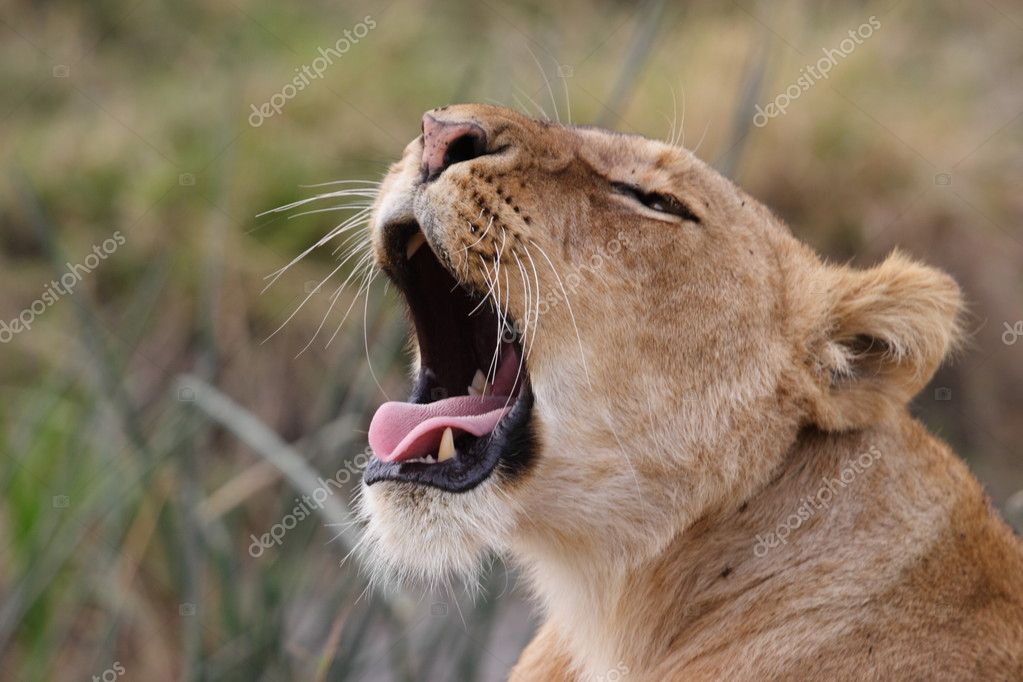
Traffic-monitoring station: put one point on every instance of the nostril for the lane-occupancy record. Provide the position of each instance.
(464, 148)
(446, 143)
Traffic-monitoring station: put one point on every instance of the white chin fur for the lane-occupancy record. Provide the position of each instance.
(418, 534)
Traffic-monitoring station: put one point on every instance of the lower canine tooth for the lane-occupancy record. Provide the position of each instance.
(417, 240)
(447, 446)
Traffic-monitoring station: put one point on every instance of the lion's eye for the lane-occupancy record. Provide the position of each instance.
(663, 203)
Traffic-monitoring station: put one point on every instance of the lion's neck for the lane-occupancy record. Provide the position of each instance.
(698, 593)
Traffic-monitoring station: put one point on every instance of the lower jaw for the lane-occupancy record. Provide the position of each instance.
(506, 451)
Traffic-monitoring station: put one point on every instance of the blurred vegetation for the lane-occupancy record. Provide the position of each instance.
(127, 498)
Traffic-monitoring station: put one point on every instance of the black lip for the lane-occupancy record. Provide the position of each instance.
(450, 350)
(509, 447)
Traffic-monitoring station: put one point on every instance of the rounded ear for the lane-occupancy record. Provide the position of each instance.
(886, 330)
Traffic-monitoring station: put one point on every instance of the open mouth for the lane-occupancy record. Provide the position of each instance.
(470, 408)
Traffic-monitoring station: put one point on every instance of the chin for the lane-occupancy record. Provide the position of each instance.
(419, 534)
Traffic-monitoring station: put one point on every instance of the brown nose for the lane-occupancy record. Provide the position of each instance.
(446, 143)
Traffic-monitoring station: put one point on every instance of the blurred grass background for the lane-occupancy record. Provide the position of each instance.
(129, 494)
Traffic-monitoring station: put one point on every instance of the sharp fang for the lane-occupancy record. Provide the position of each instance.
(479, 384)
(417, 240)
(447, 446)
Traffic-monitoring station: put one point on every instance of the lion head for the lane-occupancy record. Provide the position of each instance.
(613, 340)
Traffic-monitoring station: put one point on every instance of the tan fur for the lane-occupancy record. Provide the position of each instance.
(698, 387)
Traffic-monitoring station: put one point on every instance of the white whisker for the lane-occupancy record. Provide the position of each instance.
(355, 299)
(367, 193)
(527, 302)
(365, 333)
(568, 100)
(308, 296)
(367, 183)
(337, 293)
(348, 240)
(358, 220)
(700, 143)
(543, 112)
(346, 207)
(522, 107)
(682, 122)
(485, 273)
(674, 117)
(499, 314)
(550, 90)
(536, 278)
(482, 236)
(568, 302)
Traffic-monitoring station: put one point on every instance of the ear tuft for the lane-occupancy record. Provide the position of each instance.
(887, 329)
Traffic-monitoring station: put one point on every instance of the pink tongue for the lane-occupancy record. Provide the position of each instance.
(401, 431)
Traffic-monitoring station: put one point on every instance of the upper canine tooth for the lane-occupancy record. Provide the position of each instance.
(447, 446)
(417, 240)
(479, 383)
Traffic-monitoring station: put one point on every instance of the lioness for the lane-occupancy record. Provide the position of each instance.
(687, 429)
